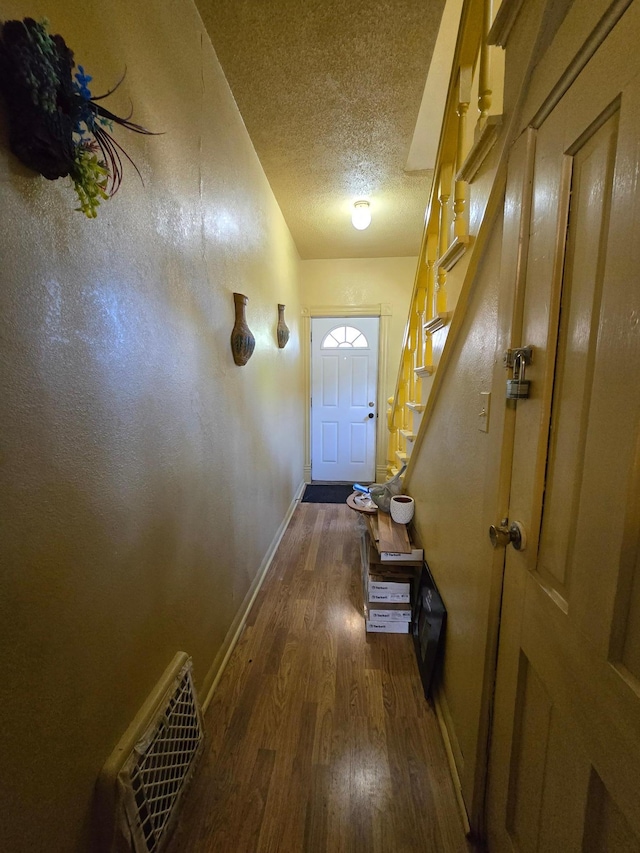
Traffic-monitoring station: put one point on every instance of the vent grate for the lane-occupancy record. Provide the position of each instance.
(162, 769)
(145, 777)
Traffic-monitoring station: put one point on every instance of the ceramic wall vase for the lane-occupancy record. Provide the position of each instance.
(242, 341)
(282, 330)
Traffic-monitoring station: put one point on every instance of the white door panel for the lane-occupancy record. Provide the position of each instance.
(344, 362)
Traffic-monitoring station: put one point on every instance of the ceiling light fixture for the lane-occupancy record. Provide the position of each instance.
(361, 216)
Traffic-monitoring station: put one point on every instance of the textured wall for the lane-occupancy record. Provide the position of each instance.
(454, 482)
(143, 475)
(364, 281)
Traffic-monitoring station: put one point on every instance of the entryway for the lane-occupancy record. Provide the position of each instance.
(344, 379)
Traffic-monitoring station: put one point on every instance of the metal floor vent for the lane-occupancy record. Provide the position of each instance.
(153, 763)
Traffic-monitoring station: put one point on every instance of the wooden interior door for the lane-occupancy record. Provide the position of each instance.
(565, 754)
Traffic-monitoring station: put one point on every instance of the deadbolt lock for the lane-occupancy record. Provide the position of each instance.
(504, 533)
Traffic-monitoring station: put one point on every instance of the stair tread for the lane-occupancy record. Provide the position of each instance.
(424, 370)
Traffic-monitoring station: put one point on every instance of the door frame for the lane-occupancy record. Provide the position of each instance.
(383, 312)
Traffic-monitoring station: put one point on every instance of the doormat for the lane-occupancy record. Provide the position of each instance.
(334, 493)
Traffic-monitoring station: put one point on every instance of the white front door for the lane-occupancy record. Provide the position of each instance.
(344, 378)
(565, 763)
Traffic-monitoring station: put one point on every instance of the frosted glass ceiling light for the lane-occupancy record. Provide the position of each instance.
(361, 216)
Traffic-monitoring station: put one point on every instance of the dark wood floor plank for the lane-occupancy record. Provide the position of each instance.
(290, 822)
(254, 803)
(319, 738)
(315, 830)
(316, 539)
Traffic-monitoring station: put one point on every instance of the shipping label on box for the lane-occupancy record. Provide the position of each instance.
(374, 627)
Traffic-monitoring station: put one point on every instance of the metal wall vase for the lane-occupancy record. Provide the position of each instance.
(282, 330)
(242, 341)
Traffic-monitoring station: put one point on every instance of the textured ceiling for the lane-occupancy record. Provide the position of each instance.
(330, 92)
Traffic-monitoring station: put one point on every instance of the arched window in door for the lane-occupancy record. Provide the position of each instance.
(343, 337)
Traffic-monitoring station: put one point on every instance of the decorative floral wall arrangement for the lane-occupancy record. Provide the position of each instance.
(56, 126)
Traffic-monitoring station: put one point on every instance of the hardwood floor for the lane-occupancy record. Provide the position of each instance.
(319, 736)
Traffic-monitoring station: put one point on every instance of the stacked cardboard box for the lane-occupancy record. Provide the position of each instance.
(400, 595)
(388, 580)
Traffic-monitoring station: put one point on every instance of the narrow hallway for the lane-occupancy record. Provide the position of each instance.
(318, 735)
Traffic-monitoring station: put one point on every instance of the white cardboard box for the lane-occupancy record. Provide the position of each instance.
(397, 557)
(381, 614)
(389, 591)
(387, 627)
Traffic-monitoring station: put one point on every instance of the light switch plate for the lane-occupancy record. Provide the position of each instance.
(484, 403)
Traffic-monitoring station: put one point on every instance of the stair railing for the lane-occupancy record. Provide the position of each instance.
(453, 217)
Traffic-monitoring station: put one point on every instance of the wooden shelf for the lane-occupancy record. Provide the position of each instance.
(392, 536)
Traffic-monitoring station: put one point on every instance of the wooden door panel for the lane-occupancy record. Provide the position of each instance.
(606, 828)
(546, 763)
(565, 771)
(549, 215)
(591, 187)
(562, 704)
(625, 639)
(566, 783)
(532, 714)
(600, 712)
(612, 448)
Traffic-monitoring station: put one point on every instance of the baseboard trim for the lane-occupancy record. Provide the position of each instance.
(457, 786)
(233, 635)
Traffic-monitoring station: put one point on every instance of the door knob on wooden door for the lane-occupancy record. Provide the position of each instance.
(504, 533)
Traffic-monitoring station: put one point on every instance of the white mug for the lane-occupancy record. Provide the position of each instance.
(402, 508)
